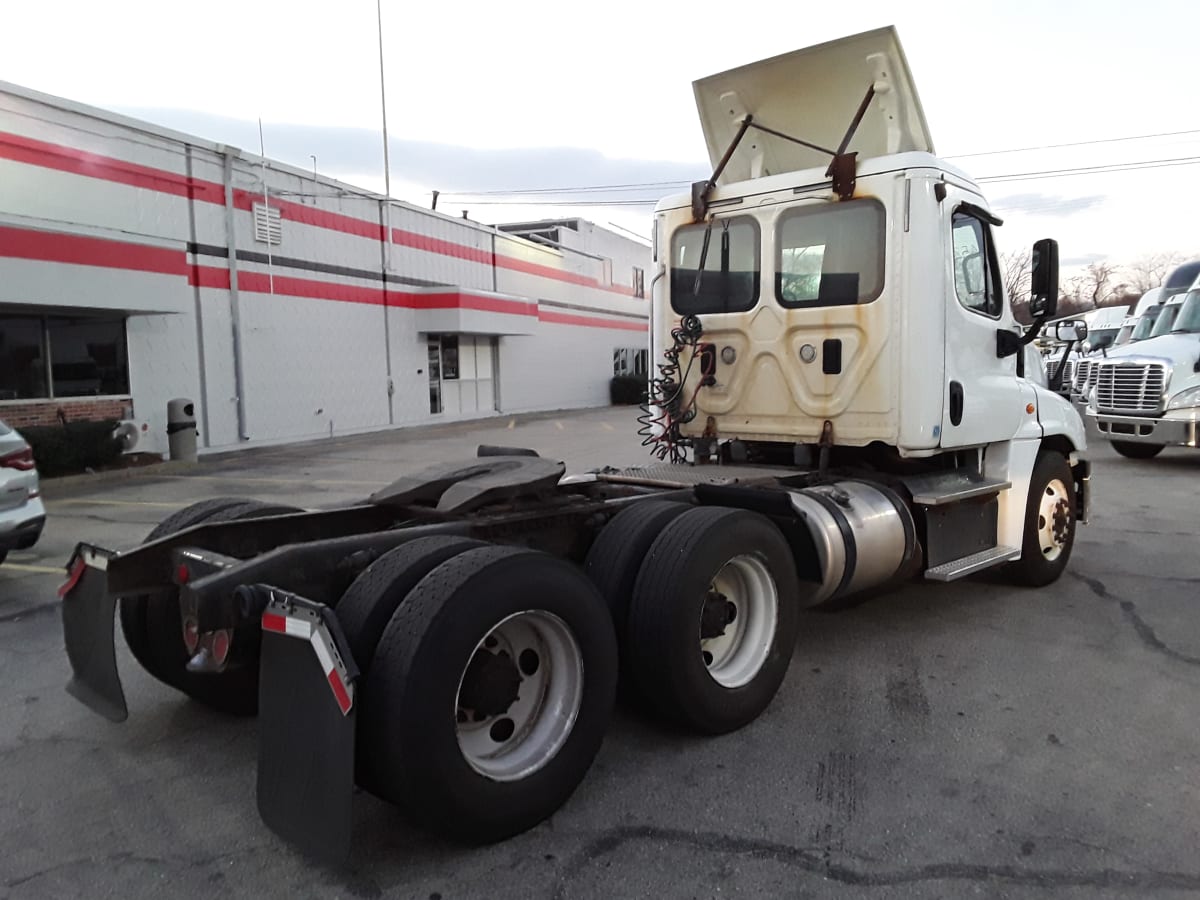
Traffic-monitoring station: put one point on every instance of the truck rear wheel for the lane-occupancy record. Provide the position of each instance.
(489, 693)
(1049, 531)
(1131, 450)
(132, 610)
(616, 556)
(233, 691)
(714, 618)
(367, 606)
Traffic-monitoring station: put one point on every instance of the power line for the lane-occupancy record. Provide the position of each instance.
(607, 188)
(567, 190)
(1107, 169)
(1133, 137)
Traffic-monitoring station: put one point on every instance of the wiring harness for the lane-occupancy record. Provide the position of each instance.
(664, 410)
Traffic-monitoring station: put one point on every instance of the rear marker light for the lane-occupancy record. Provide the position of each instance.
(182, 575)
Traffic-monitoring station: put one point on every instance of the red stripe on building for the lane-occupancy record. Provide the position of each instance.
(558, 318)
(80, 162)
(310, 215)
(75, 249)
(93, 165)
(209, 277)
(459, 300)
(261, 283)
(442, 247)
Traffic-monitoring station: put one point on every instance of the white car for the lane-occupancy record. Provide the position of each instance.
(22, 515)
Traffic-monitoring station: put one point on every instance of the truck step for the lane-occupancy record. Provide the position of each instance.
(969, 565)
(950, 487)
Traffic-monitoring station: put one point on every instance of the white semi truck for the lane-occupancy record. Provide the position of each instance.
(838, 406)
(1146, 396)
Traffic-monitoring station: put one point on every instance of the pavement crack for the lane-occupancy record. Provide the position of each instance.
(1141, 627)
(855, 873)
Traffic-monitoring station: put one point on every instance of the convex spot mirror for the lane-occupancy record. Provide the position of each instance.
(1071, 330)
(1043, 285)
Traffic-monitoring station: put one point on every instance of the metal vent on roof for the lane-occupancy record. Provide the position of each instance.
(268, 225)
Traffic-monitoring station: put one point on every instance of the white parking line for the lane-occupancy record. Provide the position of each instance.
(37, 570)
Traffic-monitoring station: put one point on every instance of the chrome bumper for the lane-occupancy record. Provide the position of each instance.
(1146, 429)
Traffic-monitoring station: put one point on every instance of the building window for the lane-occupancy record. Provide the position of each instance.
(268, 224)
(88, 357)
(630, 360)
(450, 357)
(639, 282)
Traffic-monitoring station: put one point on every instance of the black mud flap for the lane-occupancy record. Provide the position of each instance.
(306, 724)
(88, 620)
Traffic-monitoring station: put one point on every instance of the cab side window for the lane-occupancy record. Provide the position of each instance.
(976, 273)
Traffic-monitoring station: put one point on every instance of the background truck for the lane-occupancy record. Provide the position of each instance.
(838, 406)
(1146, 396)
(1103, 327)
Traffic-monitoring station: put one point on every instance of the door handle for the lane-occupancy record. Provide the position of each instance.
(956, 402)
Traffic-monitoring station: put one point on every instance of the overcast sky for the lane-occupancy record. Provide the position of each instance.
(518, 96)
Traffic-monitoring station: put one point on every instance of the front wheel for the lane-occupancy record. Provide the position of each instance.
(1049, 522)
(1137, 451)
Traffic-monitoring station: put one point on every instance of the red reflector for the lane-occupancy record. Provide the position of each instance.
(339, 692)
(220, 646)
(182, 575)
(18, 459)
(73, 576)
(274, 622)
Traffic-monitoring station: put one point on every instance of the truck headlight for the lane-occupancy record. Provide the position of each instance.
(1188, 399)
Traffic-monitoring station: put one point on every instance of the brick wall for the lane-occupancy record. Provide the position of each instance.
(76, 409)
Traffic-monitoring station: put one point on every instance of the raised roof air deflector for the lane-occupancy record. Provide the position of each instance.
(812, 94)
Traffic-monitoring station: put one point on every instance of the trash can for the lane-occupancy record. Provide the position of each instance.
(181, 429)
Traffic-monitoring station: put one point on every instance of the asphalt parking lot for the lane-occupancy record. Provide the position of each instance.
(965, 739)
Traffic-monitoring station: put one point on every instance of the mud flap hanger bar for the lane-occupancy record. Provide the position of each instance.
(841, 167)
(307, 723)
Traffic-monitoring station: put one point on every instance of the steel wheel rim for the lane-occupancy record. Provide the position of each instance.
(547, 703)
(734, 658)
(1054, 519)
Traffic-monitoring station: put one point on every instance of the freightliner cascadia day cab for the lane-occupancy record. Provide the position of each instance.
(838, 406)
(1146, 396)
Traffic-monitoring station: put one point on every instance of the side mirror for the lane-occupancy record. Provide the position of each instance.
(1043, 286)
(1071, 330)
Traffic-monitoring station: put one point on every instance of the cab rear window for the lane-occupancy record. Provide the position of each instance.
(714, 267)
(830, 254)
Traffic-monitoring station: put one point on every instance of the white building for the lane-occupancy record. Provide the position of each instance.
(138, 264)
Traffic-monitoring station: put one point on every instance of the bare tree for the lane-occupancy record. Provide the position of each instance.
(1151, 270)
(1093, 287)
(1015, 270)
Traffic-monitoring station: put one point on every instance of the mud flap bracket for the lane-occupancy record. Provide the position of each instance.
(307, 719)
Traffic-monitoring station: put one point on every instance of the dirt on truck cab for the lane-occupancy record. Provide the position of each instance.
(838, 404)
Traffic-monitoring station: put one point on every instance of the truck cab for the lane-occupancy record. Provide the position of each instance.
(850, 310)
(1147, 396)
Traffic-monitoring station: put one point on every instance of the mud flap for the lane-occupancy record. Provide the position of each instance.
(88, 613)
(306, 727)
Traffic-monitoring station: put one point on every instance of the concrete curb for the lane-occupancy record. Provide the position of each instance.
(65, 484)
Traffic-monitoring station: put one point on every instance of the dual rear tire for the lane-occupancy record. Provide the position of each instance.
(153, 625)
(489, 675)
(704, 602)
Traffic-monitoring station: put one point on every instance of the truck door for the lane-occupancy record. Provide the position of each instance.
(982, 399)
